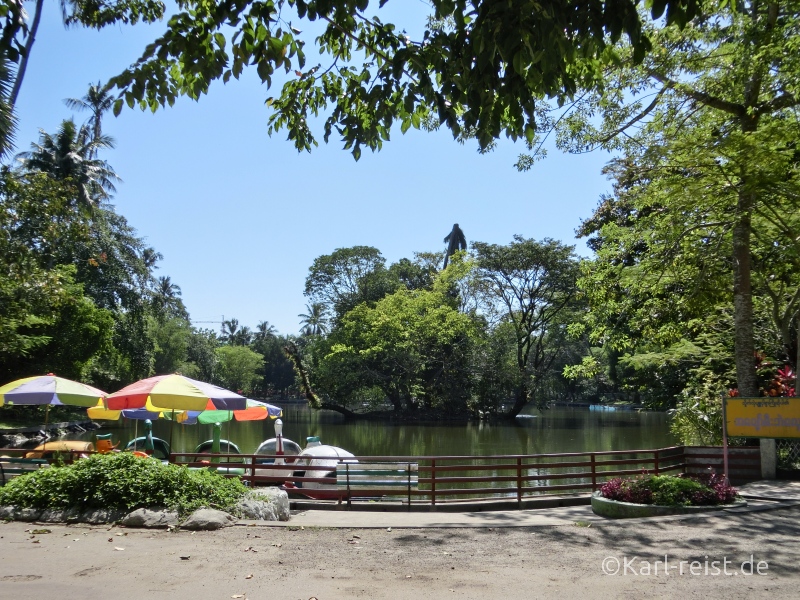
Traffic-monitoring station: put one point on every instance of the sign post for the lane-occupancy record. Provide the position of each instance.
(769, 417)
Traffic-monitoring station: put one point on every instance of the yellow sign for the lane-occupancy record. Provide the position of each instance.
(765, 417)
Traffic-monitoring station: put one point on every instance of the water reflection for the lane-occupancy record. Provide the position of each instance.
(552, 431)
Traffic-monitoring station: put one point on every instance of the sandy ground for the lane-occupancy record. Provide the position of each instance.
(290, 562)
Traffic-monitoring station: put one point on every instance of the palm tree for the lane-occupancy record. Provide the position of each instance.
(167, 300)
(315, 321)
(70, 154)
(264, 331)
(229, 329)
(455, 241)
(8, 121)
(98, 101)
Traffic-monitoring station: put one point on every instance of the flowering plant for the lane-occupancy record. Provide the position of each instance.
(671, 490)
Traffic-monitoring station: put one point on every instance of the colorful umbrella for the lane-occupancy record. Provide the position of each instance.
(49, 390)
(255, 411)
(175, 392)
(148, 411)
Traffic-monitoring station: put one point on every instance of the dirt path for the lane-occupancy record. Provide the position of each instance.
(102, 563)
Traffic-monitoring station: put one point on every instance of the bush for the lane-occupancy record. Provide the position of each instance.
(671, 490)
(123, 481)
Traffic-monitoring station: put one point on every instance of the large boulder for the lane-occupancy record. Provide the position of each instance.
(208, 519)
(264, 504)
(151, 519)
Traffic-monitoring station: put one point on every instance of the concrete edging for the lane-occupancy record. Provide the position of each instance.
(614, 509)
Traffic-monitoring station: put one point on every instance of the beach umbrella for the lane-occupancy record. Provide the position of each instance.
(175, 392)
(100, 413)
(49, 390)
(147, 412)
(254, 411)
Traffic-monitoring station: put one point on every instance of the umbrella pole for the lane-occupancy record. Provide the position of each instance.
(171, 427)
(135, 432)
(46, 414)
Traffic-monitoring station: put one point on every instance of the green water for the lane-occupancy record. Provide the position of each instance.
(552, 431)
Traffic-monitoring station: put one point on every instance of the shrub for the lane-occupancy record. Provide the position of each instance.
(121, 480)
(671, 490)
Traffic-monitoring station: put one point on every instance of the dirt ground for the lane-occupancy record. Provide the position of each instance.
(653, 558)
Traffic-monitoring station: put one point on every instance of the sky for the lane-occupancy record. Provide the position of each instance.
(240, 216)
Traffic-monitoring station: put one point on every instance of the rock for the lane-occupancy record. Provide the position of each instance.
(60, 515)
(208, 519)
(147, 518)
(264, 504)
(26, 514)
(7, 513)
(96, 516)
(12, 440)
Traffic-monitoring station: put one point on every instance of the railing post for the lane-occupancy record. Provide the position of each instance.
(594, 472)
(519, 482)
(655, 462)
(408, 481)
(433, 482)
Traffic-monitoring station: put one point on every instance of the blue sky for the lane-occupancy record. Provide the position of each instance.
(240, 216)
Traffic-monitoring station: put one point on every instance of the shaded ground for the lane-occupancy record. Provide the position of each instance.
(566, 561)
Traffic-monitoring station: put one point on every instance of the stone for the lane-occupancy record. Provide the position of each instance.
(60, 515)
(97, 516)
(208, 519)
(26, 514)
(264, 504)
(150, 519)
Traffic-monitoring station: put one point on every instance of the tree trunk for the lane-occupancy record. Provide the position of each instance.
(520, 401)
(37, 15)
(743, 299)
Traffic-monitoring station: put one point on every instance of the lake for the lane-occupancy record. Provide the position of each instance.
(551, 431)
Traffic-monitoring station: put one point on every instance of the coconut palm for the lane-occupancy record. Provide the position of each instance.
(8, 122)
(455, 241)
(167, 300)
(70, 154)
(264, 331)
(315, 321)
(98, 101)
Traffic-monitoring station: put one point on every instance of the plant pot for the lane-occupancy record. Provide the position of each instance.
(614, 509)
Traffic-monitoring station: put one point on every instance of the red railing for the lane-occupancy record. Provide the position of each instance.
(453, 479)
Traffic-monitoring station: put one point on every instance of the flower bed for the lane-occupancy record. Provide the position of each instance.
(651, 495)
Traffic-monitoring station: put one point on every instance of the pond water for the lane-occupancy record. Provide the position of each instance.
(552, 431)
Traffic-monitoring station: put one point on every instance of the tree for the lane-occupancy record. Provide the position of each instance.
(455, 241)
(341, 280)
(481, 65)
(411, 347)
(314, 321)
(48, 322)
(98, 101)
(171, 336)
(264, 331)
(18, 37)
(238, 368)
(530, 285)
(69, 154)
(167, 301)
(713, 110)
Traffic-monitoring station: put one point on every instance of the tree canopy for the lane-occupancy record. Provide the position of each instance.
(479, 66)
